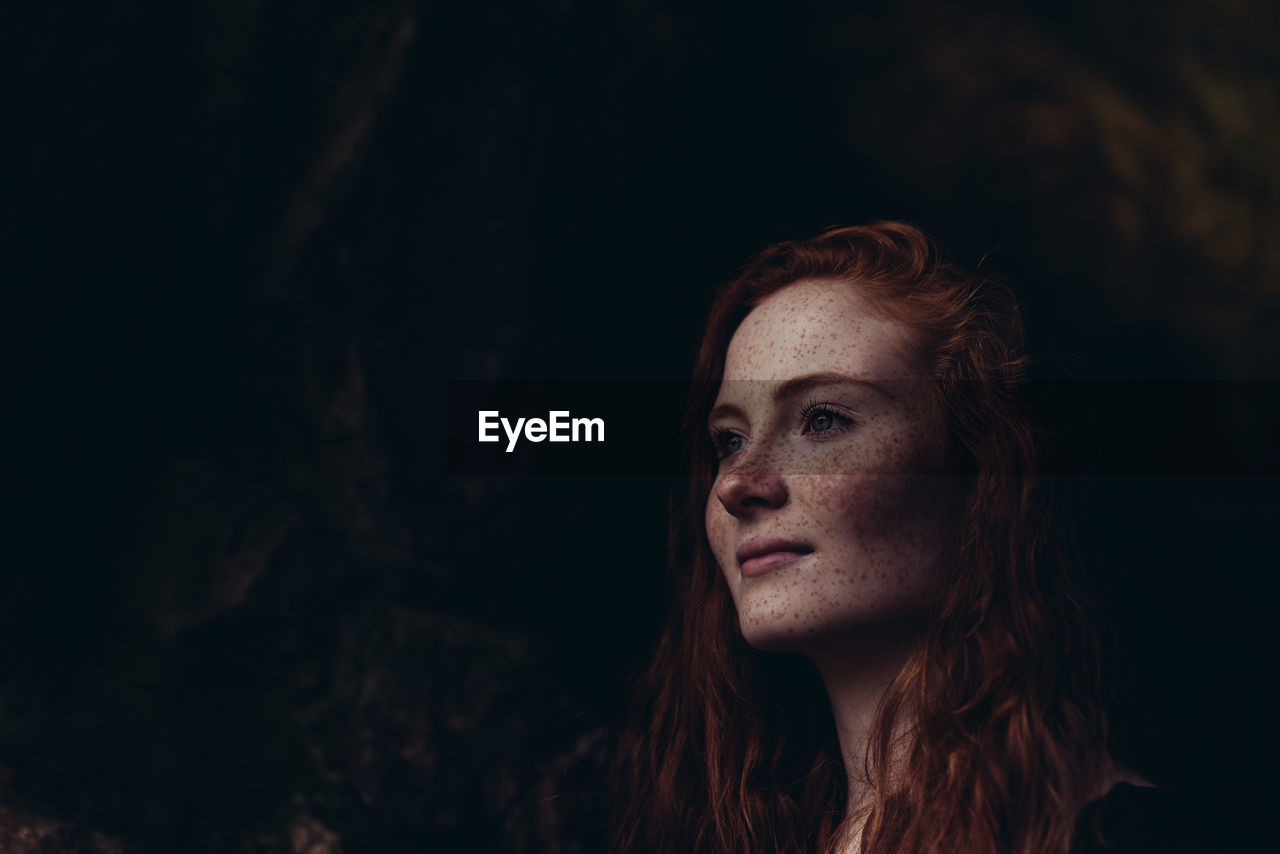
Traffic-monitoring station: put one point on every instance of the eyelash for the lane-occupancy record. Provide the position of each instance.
(720, 436)
(815, 407)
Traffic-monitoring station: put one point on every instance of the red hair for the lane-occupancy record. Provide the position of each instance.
(735, 749)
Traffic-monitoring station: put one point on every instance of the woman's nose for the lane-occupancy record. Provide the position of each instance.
(744, 490)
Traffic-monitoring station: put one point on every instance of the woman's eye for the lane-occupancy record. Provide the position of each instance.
(727, 442)
(819, 419)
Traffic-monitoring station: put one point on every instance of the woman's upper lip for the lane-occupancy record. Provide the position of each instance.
(768, 545)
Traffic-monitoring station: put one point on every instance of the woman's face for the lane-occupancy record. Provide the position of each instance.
(831, 504)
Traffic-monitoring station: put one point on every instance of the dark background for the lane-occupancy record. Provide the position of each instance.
(247, 607)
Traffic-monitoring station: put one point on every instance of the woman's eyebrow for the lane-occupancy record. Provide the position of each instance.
(806, 382)
(723, 410)
(801, 384)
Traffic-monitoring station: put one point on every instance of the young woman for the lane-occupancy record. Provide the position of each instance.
(877, 644)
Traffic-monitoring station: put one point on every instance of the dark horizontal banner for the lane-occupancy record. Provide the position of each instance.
(1095, 427)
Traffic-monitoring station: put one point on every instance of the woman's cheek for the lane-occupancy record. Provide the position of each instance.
(719, 534)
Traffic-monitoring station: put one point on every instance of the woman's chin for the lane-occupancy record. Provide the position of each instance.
(773, 634)
(770, 631)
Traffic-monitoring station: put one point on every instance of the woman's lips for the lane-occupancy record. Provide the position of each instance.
(760, 556)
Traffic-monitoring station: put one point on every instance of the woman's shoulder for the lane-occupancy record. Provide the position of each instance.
(1135, 817)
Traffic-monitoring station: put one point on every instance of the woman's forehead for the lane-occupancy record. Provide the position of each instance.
(815, 326)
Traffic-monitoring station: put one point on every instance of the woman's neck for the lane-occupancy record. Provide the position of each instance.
(857, 673)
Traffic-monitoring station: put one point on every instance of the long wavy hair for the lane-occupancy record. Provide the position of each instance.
(733, 750)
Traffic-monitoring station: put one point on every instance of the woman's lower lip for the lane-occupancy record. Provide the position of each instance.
(770, 561)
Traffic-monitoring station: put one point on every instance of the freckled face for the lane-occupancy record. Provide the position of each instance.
(830, 507)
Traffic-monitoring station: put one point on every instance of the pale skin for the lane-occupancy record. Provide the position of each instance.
(833, 503)
(831, 439)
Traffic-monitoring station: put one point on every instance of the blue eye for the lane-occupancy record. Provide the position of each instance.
(726, 442)
(821, 421)
(820, 418)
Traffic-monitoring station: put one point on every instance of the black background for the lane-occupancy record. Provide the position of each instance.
(247, 607)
